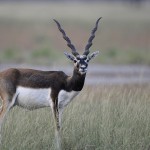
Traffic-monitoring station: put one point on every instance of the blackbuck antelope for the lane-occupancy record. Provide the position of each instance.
(33, 89)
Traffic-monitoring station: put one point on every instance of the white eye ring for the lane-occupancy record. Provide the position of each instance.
(87, 60)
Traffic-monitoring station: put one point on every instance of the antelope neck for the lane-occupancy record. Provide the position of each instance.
(76, 81)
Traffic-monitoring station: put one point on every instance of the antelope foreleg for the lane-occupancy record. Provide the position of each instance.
(57, 119)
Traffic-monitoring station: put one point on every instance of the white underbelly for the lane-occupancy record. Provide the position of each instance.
(64, 98)
(31, 98)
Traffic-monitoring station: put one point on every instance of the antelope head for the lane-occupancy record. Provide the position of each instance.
(80, 61)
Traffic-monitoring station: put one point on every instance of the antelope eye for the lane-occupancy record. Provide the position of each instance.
(75, 61)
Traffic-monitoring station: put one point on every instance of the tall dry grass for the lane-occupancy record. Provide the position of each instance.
(100, 118)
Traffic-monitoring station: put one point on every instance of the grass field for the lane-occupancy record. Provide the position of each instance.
(27, 31)
(101, 118)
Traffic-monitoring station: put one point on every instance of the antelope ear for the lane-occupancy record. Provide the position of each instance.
(69, 56)
(93, 55)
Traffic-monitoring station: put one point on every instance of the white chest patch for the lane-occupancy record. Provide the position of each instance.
(65, 97)
(33, 98)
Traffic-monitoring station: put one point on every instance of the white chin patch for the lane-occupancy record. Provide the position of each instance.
(82, 71)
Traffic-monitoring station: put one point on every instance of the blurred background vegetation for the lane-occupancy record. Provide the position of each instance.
(29, 35)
